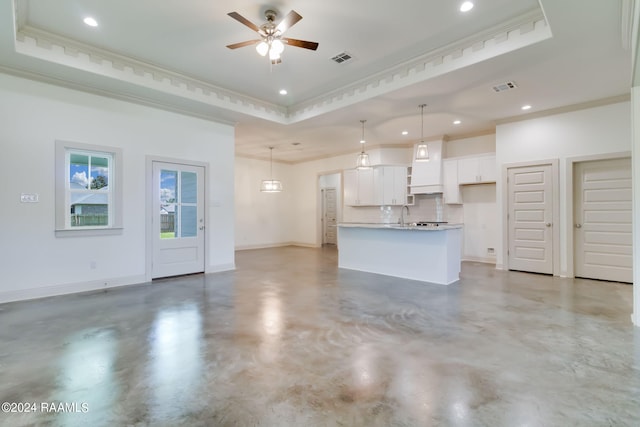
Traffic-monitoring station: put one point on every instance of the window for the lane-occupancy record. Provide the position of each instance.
(88, 189)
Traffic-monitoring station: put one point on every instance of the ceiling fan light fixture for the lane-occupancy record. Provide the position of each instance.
(273, 55)
(271, 41)
(262, 48)
(277, 46)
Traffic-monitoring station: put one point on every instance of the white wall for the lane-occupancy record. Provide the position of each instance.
(469, 146)
(262, 219)
(480, 222)
(587, 132)
(36, 263)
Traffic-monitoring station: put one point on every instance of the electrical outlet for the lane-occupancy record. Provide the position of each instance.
(491, 251)
(29, 197)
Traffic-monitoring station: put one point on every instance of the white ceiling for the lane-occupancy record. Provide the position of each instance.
(172, 54)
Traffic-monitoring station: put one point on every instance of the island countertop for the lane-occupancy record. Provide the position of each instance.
(408, 226)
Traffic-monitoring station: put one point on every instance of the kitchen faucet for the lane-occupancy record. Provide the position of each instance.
(402, 214)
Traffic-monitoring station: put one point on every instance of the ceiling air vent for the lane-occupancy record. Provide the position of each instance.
(504, 86)
(342, 57)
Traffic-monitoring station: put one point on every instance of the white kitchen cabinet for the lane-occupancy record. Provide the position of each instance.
(358, 187)
(391, 185)
(477, 170)
(381, 185)
(451, 190)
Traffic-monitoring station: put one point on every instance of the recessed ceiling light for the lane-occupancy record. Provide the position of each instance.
(90, 21)
(466, 6)
(526, 107)
(283, 92)
(405, 132)
(456, 122)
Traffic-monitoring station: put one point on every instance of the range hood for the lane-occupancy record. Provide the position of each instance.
(426, 176)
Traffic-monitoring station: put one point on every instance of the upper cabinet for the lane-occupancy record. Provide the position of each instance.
(391, 184)
(477, 170)
(358, 187)
(381, 185)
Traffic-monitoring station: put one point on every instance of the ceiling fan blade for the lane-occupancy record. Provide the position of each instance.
(245, 21)
(288, 21)
(301, 43)
(242, 44)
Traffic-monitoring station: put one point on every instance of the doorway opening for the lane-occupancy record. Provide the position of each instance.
(330, 186)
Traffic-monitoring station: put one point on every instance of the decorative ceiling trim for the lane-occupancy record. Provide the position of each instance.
(567, 109)
(519, 32)
(53, 48)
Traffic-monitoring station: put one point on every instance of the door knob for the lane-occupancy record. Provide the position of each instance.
(578, 225)
(548, 224)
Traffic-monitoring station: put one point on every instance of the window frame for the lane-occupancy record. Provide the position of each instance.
(63, 191)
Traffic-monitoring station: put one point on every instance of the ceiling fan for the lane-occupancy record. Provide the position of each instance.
(271, 41)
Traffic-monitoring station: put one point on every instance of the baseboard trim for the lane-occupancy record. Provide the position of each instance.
(218, 268)
(69, 288)
(478, 259)
(276, 245)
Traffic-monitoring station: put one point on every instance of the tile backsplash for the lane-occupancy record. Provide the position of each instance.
(427, 207)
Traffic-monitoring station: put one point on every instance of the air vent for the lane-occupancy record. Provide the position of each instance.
(342, 57)
(505, 86)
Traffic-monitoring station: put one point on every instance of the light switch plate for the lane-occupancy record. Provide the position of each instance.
(29, 197)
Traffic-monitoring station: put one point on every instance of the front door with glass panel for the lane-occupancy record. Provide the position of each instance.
(178, 219)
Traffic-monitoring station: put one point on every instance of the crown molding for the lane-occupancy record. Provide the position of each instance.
(57, 49)
(567, 109)
(519, 32)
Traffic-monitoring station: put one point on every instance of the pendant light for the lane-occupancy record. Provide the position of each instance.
(363, 158)
(271, 185)
(422, 152)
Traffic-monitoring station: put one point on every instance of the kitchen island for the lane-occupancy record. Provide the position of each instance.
(429, 254)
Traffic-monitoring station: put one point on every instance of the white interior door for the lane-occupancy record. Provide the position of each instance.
(602, 220)
(329, 215)
(530, 219)
(178, 219)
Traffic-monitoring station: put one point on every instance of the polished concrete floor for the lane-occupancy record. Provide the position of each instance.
(288, 339)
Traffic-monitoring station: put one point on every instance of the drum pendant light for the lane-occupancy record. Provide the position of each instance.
(271, 185)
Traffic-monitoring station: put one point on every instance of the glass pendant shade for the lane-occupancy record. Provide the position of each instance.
(271, 185)
(363, 161)
(422, 152)
(273, 55)
(277, 46)
(262, 48)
